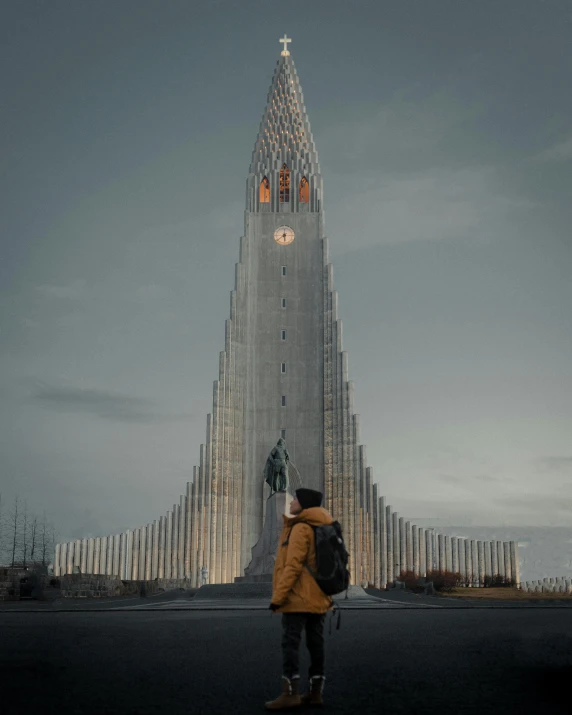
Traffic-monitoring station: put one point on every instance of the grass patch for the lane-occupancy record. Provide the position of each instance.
(505, 594)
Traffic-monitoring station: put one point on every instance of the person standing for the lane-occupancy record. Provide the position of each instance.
(302, 603)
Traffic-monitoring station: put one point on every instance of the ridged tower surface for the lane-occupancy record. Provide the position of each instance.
(283, 371)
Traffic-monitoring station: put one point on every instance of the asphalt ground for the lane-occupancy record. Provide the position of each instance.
(407, 660)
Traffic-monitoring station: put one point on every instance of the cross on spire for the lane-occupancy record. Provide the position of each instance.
(285, 40)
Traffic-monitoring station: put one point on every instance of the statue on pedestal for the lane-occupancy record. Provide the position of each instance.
(276, 468)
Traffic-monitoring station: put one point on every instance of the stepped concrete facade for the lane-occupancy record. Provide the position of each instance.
(283, 373)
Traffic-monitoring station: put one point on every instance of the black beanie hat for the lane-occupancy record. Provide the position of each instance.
(308, 498)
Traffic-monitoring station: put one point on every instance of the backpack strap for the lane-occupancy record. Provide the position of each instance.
(293, 525)
(285, 543)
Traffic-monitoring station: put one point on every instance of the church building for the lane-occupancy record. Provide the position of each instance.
(282, 373)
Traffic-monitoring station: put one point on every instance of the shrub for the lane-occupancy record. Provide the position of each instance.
(498, 581)
(444, 581)
(411, 581)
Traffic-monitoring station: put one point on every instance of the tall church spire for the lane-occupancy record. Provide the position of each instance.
(284, 172)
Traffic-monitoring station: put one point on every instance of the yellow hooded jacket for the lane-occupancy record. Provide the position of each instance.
(294, 588)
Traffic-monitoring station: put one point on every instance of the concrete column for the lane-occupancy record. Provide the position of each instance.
(182, 529)
(168, 545)
(448, 553)
(494, 559)
(454, 554)
(375, 536)
(108, 554)
(155, 560)
(135, 573)
(122, 555)
(96, 554)
(111, 555)
(175, 544)
(83, 562)
(70, 553)
(65, 556)
(111, 564)
(103, 555)
(475, 562)
(188, 531)
(402, 544)
(507, 563)
(408, 546)
(462, 568)
(57, 561)
(115, 561)
(142, 551)
(481, 562)
(390, 556)
(77, 554)
(468, 563)
(500, 559)
(514, 562)
(440, 553)
(416, 558)
(422, 552)
(90, 555)
(161, 563)
(487, 559)
(129, 555)
(428, 552)
(396, 550)
(148, 551)
(383, 543)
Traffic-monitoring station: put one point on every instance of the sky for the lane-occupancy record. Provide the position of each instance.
(444, 135)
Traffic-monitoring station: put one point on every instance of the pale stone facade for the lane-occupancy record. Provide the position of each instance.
(283, 372)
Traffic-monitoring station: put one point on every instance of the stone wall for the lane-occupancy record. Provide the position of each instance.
(79, 585)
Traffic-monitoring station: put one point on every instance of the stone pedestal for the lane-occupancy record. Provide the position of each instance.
(261, 566)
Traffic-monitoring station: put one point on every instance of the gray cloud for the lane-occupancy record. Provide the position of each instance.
(560, 152)
(535, 502)
(451, 479)
(554, 464)
(71, 291)
(104, 404)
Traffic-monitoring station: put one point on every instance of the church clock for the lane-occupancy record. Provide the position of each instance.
(284, 235)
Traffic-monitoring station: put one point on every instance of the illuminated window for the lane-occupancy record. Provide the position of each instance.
(284, 184)
(264, 191)
(304, 191)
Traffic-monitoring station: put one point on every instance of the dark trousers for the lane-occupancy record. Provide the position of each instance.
(292, 626)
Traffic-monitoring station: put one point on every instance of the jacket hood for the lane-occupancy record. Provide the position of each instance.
(315, 515)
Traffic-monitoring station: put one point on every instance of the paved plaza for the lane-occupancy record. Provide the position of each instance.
(174, 659)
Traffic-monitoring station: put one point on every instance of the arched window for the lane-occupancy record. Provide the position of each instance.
(264, 191)
(304, 191)
(284, 184)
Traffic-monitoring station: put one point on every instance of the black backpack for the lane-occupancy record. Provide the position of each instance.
(332, 574)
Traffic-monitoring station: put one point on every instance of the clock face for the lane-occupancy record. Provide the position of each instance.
(284, 235)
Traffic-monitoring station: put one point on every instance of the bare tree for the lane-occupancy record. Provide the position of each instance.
(25, 533)
(2, 531)
(44, 540)
(14, 524)
(33, 539)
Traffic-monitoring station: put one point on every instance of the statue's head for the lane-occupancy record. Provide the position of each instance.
(281, 442)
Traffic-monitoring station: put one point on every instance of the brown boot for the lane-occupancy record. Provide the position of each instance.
(314, 696)
(290, 697)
